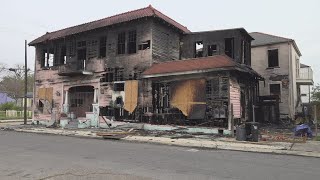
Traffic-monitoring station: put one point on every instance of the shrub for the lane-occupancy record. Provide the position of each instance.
(9, 106)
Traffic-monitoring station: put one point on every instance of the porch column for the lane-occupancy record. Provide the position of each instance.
(96, 110)
(66, 102)
(95, 96)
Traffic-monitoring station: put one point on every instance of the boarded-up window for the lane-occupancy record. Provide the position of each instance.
(131, 92)
(189, 97)
(45, 94)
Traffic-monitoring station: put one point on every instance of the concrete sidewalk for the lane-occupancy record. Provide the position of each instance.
(310, 148)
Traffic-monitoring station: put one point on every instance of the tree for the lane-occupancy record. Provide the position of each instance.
(315, 95)
(12, 83)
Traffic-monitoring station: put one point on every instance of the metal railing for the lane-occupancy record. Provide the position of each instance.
(305, 73)
(75, 66)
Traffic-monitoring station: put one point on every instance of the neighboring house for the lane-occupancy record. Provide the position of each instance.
(277, 59)
(142, 65)
(20, 101)
(4, 98)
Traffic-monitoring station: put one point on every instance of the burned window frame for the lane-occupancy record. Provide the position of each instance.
(144, 45)
(273, 59)
(118, 86)
(63, 55)
(211, 51)
(198, 53)
(229, 51)
(132, 42)
(121, 43)
(48, 58)
(103, 47)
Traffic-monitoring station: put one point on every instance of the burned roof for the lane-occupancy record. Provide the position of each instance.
(262, 39)
(196, 65)
(112, 20)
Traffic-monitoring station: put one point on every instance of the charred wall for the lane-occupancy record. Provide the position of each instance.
(217, 38)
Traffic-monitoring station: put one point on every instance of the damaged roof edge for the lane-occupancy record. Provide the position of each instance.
(108, 21)
(187, 72)
(241, 29)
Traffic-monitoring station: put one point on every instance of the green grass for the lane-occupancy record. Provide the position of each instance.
(317, 138)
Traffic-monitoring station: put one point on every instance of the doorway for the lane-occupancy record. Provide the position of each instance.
(81, 100)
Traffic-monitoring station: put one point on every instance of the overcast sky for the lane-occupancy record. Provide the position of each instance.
(296, 19)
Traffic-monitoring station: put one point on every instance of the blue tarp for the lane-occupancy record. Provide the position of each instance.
(302, 130)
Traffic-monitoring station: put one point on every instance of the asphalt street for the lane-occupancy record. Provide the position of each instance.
(34, 156)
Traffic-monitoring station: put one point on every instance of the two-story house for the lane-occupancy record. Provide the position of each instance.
(277, 59)
(142, 65)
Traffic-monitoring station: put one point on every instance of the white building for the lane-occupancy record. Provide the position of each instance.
(277, 59)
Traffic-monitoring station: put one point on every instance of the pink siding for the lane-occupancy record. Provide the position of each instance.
(235, 98)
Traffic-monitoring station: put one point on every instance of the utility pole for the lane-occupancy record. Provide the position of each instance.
(25, 82)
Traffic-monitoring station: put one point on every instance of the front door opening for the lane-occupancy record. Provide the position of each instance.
(81, 100)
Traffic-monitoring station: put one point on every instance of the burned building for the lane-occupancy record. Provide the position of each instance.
(145, 67)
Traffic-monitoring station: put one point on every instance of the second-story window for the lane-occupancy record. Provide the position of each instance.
(273, 58)
(198, 49)
(229, 47)
(63, 55)
(122, 43)
(48, 58)
(132, 42)
(212, 50)
(103, 47)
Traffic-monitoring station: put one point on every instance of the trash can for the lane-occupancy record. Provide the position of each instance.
(252, 131)
(241, 134)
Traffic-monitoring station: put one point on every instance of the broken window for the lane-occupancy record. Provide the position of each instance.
(136, 74)
(144, 45)
(132, 42)
(48, 58)
(103, 47)
(118, 74)
(118, 87)
(63, 55)
(121, 43)
(92, 47)
(71, 48)
(275, 89)
(108, 77)
(81, 44)
(81, 55)
(212, 50)
(199, 49)
(229, 47)
(273, 58)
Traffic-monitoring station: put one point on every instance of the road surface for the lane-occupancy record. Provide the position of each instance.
(34, 156)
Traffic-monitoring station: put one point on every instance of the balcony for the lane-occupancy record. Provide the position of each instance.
(75, 68)
(305, 76)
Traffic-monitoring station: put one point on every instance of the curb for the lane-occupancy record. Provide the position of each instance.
(175, 142)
